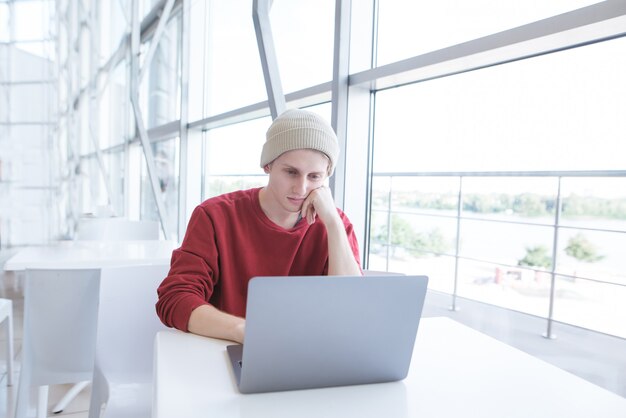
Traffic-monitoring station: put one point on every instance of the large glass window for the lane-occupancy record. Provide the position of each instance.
(547, 113)
(233, 76)
(551, 114)
(4, 22)
(166, 161)
(29, 66)
(232, 156)
(94, 193)
(407, 28)
(31, 102)
(115, 167)
(197, 44)
(114, 24)
(162, 83)
(33, 19)
(115, 117)
(414, 226)
(304, 37)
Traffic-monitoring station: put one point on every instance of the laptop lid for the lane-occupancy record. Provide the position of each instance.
(318, 331)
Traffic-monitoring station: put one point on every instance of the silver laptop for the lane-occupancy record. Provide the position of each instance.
(317, 331)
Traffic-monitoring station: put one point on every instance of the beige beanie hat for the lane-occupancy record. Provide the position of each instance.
(300, 129)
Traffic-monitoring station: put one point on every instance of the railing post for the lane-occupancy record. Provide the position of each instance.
(459, 209)
(388, 222)
(555, 249)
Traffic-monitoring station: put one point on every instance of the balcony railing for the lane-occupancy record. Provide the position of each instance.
(547, 243)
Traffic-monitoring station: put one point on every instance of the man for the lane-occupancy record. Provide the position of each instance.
(290, 227)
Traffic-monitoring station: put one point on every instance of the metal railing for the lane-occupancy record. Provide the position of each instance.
(460, 216)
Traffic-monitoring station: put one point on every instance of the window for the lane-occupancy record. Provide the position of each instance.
(522, 140)
(407, 28)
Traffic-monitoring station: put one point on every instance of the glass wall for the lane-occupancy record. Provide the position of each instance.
(161, 93)
(303, 33)
(166, 159)
(493, 167)
(225, 64)
(434, 25)
(533, 145)
(243, 143)
(28, 117)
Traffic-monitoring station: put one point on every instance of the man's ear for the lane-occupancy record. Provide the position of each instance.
(267, 168)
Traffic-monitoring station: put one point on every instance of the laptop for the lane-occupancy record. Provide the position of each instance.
(307, 332)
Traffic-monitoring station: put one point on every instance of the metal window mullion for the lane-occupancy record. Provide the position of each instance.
(139, 122)
(63, 120)
(94, 100)
(269, 61)
(509, 45)
(568, 173)
(71, 125)
(339, 110)
(27, 82)
(184, 116)
(353, 180)
(156, 39)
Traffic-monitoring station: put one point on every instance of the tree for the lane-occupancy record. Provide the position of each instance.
(415, 243)
(536, 256)
(580, 248)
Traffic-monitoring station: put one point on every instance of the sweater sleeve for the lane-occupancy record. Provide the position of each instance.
(193, 273)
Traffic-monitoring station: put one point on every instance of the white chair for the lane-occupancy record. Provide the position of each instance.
(60, 310)
(116, 229)
(107, 229)
(6, 316)
(127, 325)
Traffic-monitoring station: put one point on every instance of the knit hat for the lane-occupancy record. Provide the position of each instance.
(300, 129)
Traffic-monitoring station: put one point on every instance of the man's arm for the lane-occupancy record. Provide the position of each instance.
(184, 294)
(209, 321)
(341, 261)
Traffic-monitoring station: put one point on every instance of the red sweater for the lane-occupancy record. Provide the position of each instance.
(229, 240)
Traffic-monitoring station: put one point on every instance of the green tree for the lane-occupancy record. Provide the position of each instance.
(415, 243)
(529, 204)
(536, 256)
(580, 248)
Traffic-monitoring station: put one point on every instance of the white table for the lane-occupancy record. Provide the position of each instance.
(455, 372)
(92, 254)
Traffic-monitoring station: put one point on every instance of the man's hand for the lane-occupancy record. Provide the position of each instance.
(320, 203)
(209, 321)
(341, 261)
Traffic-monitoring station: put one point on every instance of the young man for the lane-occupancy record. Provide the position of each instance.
(290, 227)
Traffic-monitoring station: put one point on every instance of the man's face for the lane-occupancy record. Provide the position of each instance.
(294, 174)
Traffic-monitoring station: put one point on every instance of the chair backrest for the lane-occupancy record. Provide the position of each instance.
(60, 308)
(116, 229)
(127, 319)
(5, 308)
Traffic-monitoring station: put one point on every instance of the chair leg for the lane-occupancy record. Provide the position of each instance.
(69, 396)
(23, 392)
(42, 402)
(97, 397)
